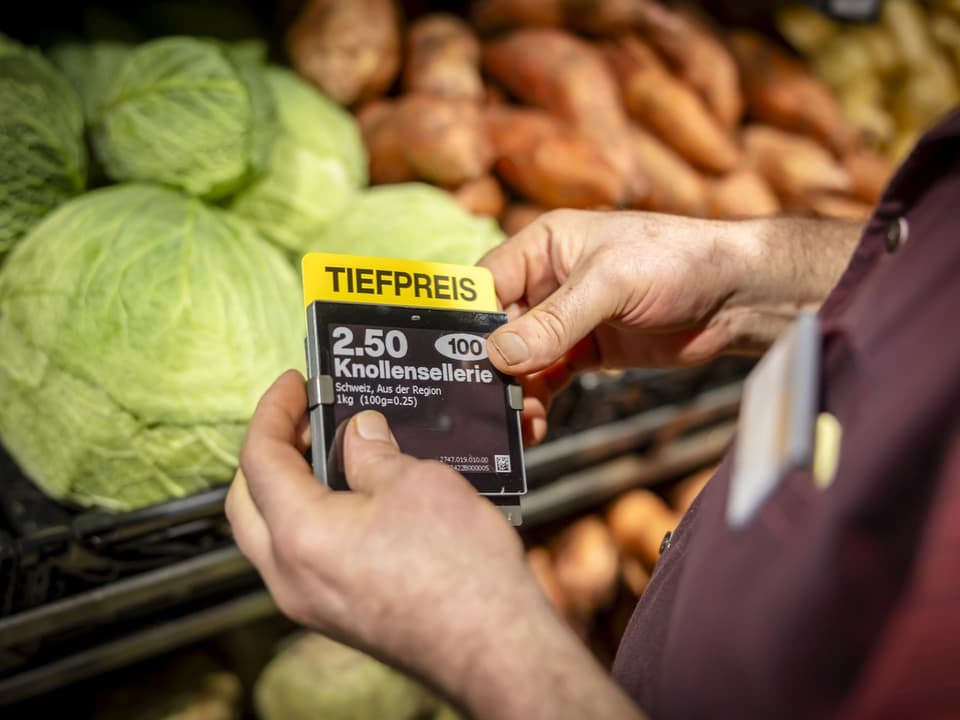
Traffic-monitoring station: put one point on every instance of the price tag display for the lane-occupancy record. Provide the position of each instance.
(427, 370)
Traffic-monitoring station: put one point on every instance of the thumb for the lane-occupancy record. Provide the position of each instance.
(368, 449)
(546, 332)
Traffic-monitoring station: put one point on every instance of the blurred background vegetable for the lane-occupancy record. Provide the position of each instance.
(317, 164)
(43, 161)
(409, 220)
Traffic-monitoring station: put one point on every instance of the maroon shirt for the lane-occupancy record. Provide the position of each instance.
(843, 602)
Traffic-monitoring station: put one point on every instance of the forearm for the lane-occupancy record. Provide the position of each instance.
(537, 667)
(783, 266)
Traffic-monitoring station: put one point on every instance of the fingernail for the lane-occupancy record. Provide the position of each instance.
(511, 346)
(373, 426)
(514, 310)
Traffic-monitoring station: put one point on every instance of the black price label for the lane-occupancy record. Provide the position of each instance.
(428, 372)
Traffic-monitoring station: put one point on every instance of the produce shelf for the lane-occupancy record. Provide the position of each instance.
(85, 592)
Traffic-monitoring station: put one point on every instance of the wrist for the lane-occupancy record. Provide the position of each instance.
(779, 267)
(503, 664)
(535, 666)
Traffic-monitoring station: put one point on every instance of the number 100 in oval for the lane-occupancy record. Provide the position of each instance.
(462, 346)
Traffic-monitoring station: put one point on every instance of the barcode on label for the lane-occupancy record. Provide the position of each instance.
(502, 463)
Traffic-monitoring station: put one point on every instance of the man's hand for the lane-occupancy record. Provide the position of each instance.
(412, 567)
(632, 289)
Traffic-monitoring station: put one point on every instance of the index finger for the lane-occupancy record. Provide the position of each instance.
(279, 478)
(521, 267)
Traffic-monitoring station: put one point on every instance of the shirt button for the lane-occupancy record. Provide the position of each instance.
(897, 232)
(665, 543)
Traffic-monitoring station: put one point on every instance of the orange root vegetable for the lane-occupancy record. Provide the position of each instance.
(794, 165)
(518, 215)
(686, 491)
(741, 194)
(563, 74)
(490, 15)
(594, 16)
(638, 522)
(443, 58)
(587, 565)
(634, 574)
(482, 196)
(670, 107)
(541, 564)
(829, 205)
(425, 137)
(382, 136)
(548, 162)
(780, 91)
(869, 174)
(675, 187)
(700, 58)
(492, 95)
(350, 49)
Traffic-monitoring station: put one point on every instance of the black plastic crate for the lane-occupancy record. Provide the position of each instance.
(49, 551)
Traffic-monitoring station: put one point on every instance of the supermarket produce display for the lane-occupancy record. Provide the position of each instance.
(633, 105)
(159, 181)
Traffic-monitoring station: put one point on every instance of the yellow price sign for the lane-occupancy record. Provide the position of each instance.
(391, 281)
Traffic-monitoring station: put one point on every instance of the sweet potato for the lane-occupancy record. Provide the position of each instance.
(541, 565)
(635, 576)
(683, 494)
(586, 564)
(638, 522)
(869, 174)
(830, 205)
(550, 163)
(781, 92)
(490, 15)
(482, 196)
(350, 49)
(597, 16)
(675, 187)
(669, 107)
(424, 137)
(383, 137)
(518, 215)
(565, 75)
(794, 165)
(700, 58)
(493, 95)
(443, 58)
(741, 194)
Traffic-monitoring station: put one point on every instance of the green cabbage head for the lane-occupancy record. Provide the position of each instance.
(138, 328)
(181, 112)
(410, 220)
(43, 161)
(318, 163)
(91, 68)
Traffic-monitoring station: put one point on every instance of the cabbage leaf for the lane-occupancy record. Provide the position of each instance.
(410, 220)
(43, 160)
